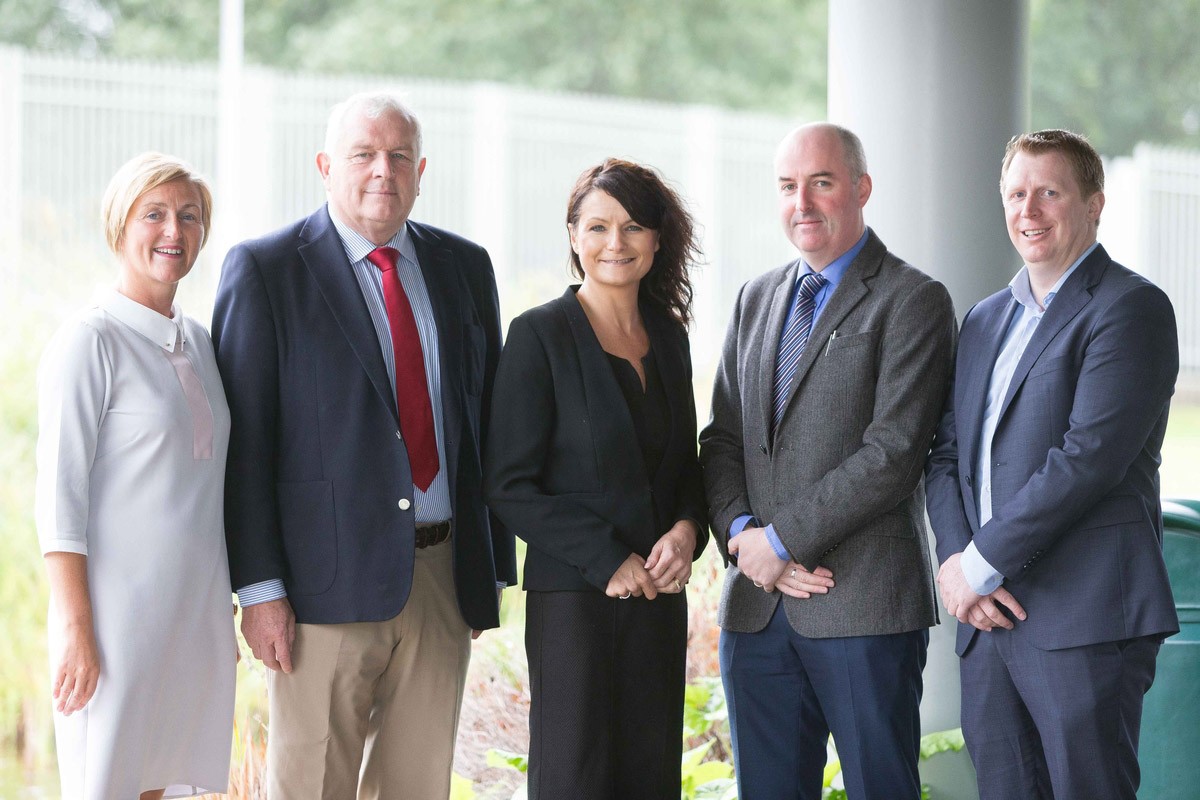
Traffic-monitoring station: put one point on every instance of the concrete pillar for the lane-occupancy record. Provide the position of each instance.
(935, 88)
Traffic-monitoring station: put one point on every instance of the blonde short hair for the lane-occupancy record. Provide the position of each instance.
(139, 175)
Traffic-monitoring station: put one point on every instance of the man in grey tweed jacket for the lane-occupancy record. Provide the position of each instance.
(814, 486)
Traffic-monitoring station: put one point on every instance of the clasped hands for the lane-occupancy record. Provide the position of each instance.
(757, 560)
(665, 571)
(983, 612)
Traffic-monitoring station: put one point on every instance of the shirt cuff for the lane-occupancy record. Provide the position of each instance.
(740, 524)
(777, 544)
(261, 592)
(501, 585)
(981, 576)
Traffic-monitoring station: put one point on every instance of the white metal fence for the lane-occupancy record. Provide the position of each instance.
(501, 162)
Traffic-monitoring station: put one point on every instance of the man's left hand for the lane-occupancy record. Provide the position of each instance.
(756, 558)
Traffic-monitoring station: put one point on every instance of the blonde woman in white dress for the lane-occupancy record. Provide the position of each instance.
(131, 466)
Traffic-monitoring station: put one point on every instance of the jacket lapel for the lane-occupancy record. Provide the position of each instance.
(1070, 300)
(444, 283)
(615, 439)
(851, 289)
(776, 317)
(674, 380)
(325, 258)
(976, 377)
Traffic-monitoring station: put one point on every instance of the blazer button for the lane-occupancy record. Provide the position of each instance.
(404, 504)
(970, 481)
(763, 448)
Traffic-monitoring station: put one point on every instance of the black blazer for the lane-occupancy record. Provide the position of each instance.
(564, 469)
(317, 472)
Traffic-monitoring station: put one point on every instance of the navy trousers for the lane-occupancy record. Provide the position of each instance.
(786, 693)
(1064, 724)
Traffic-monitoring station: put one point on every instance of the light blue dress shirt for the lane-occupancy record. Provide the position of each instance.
(980, 575)
(432, 505)
(833, 276)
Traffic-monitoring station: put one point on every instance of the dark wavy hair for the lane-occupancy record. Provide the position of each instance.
(653, 204)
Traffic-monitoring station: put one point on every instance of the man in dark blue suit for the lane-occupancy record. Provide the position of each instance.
(358, 350)
(1043, 493)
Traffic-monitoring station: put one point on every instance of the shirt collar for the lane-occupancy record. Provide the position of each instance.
(837, 268)
(161, 330)
(358, 246)
(1022, 291)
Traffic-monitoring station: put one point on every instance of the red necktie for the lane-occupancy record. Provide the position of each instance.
(412, 389)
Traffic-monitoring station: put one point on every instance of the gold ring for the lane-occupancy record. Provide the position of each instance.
(678, 585)
(793, 573)
(758, 585)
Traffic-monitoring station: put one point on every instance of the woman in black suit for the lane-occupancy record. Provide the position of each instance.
(592, 461)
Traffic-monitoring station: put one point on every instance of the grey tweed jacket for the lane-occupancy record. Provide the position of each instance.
(841, 478)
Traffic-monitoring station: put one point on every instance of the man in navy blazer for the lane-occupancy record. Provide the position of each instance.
(359, 542)
(1043, 493)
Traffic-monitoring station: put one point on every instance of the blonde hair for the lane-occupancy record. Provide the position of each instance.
(139, 175)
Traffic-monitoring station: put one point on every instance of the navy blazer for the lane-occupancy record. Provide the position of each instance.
(565, 470)
(317, 470)
(1077, 523)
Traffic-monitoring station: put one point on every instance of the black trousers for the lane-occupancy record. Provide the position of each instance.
(606, 680)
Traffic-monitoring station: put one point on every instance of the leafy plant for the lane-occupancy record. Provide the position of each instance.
(949, 741)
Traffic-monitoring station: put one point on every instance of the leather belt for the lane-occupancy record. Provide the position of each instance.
(429, 534)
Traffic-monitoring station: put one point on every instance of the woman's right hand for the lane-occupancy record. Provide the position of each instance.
(77, 668)
(77, 661)
(631, 579)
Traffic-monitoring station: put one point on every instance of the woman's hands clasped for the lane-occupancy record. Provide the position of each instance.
(666, 571)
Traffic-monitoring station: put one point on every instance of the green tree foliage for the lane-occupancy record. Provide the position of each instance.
(763, 54)
(52, 25)
(1121, 72)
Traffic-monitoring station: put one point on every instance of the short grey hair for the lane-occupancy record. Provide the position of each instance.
(371, 105)
(852, 151)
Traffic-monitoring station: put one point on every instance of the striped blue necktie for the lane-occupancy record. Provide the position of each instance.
(791, 344)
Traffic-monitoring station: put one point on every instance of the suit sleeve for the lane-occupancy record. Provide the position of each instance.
(244, 338)
(914, 364)
(504, 551)
(516, 454)
(721, 442)
(1124, 384)
(943, 493)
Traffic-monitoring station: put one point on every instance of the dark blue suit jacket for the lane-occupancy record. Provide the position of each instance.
(1077, 524)
(316, 465)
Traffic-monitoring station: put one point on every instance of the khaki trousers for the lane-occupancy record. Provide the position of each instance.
(370, 709)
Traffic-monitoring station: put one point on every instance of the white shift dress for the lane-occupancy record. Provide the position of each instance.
(131, 470)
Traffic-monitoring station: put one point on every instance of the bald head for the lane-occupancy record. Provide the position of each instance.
(852, 149)
(822, 187)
